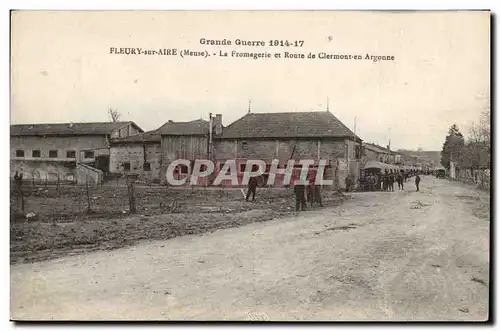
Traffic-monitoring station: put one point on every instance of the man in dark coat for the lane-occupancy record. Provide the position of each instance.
(348, 183)
(252, 188)
(417, 182)
(391, 181)
(316, 189)
(399, 180)
(300, 198)
(385, 181)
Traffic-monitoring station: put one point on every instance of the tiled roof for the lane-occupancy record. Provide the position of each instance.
(287, 125)
(197, 127)
(148, 136)
(193, 128)
(67, 129)
(376, 148)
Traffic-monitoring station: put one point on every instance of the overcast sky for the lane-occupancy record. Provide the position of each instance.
(62, 69)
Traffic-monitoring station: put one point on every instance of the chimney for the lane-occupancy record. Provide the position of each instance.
(218, 124)
(170, 121)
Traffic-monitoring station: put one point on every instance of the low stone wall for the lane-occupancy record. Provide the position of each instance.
(85, 173)
(44, 171)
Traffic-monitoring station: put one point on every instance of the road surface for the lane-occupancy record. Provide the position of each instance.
(380, 256)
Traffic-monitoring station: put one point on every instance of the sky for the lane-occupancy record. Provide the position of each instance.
(62, 69)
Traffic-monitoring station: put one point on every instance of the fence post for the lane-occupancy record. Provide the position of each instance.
(87, 189)
(131, 192)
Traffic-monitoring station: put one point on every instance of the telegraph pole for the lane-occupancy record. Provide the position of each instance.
(209, 152)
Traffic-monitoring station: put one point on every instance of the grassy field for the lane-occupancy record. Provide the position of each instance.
(63, 225)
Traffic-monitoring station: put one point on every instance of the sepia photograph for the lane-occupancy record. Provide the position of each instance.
(269, 166)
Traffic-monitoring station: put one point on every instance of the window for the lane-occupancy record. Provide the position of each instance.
(53, 153)
(70, 154)
(358, 152)
(244, 145)
(126, 166)
(70, 164)
(147, 166)
(36, 153)
(183, 169)
(20, 153)
(88, 154)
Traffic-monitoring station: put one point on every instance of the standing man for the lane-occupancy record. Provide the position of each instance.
(385, 181)
(417, 181)
(373, 182)
(317, 190)
(391, 181)
(300, 199)
(348, 183)
(252, 188)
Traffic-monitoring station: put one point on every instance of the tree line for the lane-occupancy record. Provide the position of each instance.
(473, 151)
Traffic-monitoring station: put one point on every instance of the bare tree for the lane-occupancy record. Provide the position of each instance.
(114, 114)
(478, 147)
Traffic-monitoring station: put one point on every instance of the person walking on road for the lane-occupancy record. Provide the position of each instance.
(417, 182)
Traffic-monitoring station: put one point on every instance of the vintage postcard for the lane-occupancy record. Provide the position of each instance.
(250, 165)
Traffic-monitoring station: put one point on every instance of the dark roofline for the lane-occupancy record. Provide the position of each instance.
(68, 134)
(150, 139)
(352, 137)
(385, 149)
(164, 129)
(132, 123)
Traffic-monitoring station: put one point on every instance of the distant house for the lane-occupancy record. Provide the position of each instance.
(291, 135)
(47, 151)
(149, 154)
(258, 136)
(139, 154)
(373, 152)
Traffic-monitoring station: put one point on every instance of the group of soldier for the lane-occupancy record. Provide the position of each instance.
(304, 194)
(311, 193)
(386, 180)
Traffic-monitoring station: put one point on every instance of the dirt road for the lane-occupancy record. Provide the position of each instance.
(380, 256)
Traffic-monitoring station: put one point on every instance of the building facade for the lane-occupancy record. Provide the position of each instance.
(291, 136)
(53, 151)
(258, 136)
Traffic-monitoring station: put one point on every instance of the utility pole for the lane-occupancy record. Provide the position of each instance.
(209, 152)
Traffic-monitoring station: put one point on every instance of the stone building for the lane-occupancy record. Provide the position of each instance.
(140, 154)
(373, 152)
(148, 154)
(60, 151)
(260, 136)
(292, 135)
